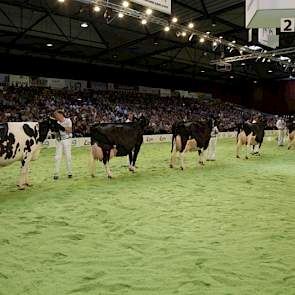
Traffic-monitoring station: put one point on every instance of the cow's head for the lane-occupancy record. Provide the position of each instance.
(47, 125)
(143, 121)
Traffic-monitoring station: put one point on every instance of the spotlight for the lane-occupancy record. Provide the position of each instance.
(214, 43)
(125, 4)
(183, 34)
(231, 77)
(243, 64)
(174, 19)
(220, 37)
(213, 23)
(202, 71)
(255, 82)
(234, 42)
(202, 40)
(208, 32)
(268, 60)
(167, 29)
(61, 1)
(270, 71)
(144, 22)
(84, 25)
(190, 25)
(49, 44)
(120, 14)
(148, 11)
(96, 8)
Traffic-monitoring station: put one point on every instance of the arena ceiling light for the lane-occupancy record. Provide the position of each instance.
(255, 82)
(191, 25)
(84, 25)
(148, 11)
(96, 8)
(243, 64)
(183, 34)
(202, 40)
(49, 44)
(125, 4)
(270, 71)
(61, 1)
(144, 21)
(120, 15)
(167, 29)
(231, 77)
(202, 71)
(174, 20)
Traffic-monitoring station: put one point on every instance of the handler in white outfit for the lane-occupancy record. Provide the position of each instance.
(63, 144)
(281, 125)
(212, 144)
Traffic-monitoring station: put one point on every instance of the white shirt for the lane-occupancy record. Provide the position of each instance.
(281, 124)
(66, 123)
(214, 131)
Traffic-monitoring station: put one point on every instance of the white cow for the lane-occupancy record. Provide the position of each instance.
(22, 142)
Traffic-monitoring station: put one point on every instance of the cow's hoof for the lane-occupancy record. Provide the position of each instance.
(28, 184)
(246, 158)
(202, 163)
(171, 166)
(131, 169)
(289, 148)
(238, 157)
(182, 168)
(21, 187)
(92, 175)
(110, 176)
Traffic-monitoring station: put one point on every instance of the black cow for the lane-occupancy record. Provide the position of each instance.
(250, 134)
(22, 142)
(116, 139)
(188, 136)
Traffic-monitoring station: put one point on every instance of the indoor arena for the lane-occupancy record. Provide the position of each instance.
(147, 147)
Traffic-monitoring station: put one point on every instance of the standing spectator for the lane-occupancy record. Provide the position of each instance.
(63, 144)
(212, 144)
(281, 125)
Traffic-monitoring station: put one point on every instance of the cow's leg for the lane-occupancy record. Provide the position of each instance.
(134, 156)
(106, 159)
(248, 147)
(181, 156)
(130, 156)
(201, 157)
(92, 163)
(173, 156)
(239, 144)
(24, 170)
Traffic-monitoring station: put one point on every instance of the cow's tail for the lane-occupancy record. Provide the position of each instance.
(172, 143)
(239, 127)
(173, 136)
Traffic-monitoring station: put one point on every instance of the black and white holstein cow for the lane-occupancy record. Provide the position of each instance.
(190, 136)
(251, 135)
(110, 140)
(291, 129)
(23, 142)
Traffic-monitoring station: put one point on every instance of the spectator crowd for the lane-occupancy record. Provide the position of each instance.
(89, 106)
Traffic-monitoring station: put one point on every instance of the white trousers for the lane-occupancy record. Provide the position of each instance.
(63, 147)
(212, 148)
(281, 137)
